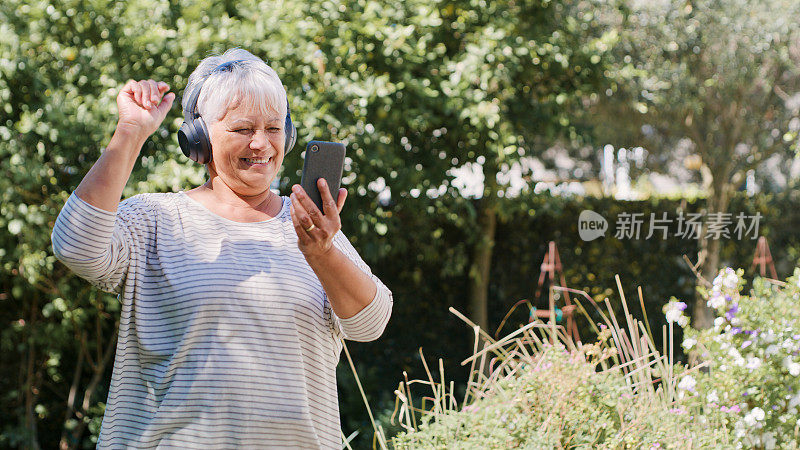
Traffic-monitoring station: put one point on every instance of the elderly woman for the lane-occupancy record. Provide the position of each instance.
(233, 299)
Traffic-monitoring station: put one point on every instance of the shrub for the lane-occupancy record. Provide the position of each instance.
(752, 373)
(619, 392)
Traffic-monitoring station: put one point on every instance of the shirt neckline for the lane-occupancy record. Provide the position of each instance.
(284, 210)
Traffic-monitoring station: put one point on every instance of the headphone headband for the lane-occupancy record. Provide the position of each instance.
(191, 113)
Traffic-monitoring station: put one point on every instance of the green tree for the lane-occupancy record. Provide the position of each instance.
(439, 85)
(722, 76)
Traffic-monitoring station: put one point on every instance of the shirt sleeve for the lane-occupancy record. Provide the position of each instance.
(369, 323)
(94, 243)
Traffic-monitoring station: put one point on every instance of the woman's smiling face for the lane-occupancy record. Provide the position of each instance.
(247, 148)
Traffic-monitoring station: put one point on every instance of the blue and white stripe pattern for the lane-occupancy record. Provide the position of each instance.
(226, 337)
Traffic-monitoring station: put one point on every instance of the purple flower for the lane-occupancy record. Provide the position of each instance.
(732, 312)
(746, 344)
(750, 332)
(681, 306)
(728, 298)
(736, 330)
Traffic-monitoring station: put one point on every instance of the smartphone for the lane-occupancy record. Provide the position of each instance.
(322, 160)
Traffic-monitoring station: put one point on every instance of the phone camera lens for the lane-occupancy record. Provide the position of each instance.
(314, 148)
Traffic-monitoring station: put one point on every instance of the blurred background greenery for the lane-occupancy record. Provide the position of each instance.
(476, 131)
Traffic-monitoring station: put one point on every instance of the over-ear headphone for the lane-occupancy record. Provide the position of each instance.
(193, 135)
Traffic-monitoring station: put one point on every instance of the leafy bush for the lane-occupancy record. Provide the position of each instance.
(751, 354)
(742, 390)
(562, 401)
(619, 392)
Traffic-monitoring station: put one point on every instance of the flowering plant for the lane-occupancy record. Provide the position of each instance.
(752, 381)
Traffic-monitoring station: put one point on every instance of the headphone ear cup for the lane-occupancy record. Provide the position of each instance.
(186, 139)
(291, 137)
(194, 142)
(204, 154)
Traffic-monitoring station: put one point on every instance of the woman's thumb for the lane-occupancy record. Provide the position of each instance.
(166, 103)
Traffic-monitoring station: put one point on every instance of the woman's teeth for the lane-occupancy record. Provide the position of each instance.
(256, 160)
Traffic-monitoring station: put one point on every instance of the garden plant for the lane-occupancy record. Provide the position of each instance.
(544, 390)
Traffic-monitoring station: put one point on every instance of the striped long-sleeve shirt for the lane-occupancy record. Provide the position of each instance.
(226, 336)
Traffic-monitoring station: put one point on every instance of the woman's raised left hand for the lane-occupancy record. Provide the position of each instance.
(315, 229)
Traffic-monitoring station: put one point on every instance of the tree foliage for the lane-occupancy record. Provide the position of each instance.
(722, 76)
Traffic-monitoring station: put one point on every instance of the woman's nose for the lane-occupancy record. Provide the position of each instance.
(260, 140)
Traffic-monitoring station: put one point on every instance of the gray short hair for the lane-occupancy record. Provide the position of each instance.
(249, 79)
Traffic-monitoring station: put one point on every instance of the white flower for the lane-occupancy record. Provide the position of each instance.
(771, 350)
(731, 280)
(737, 357)
(718, 279)
(718, 322)
(674, 312)
(688, 343)
(712, 397)
(794, 369)
(716, 300)
(753, 363)
(687, 383)
(794, 401)
(673, 315)
(753, 417)
(769, 441)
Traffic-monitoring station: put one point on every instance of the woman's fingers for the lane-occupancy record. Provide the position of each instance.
(341, 199)
(300, 212)
(328, 204)
(134, 90)
(308, 205)
(155, 95)
(298, 225)
(147, 93)
(145, 100)
(166, 104)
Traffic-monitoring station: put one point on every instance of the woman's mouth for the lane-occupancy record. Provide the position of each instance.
(256, 161)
